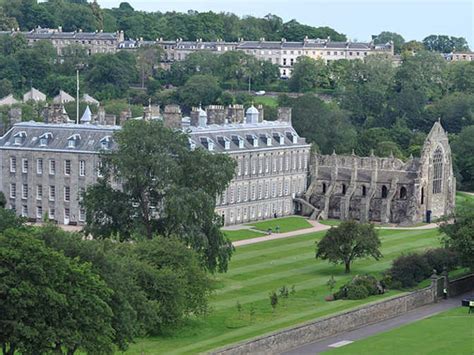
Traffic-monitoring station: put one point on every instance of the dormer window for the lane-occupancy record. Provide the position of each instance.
(73, 140)
(208, 143)
(279, 137)
(293, 137)
(44, 139)
(192, 144)
(253, 139)
(105, 142)
(227, 145)
(19, 138)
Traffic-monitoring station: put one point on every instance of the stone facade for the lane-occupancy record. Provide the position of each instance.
(384, 190)
(92, 42)
(44, 167)
(282, 53)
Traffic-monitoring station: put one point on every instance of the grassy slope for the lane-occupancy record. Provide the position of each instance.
(241, 234)
(450, 332)
(286, 224)
(265, 100)
(256, 270)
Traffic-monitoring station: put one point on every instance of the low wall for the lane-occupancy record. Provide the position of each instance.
(339, 323)
(461, 285)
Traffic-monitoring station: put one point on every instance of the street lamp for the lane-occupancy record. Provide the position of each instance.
(78, 67)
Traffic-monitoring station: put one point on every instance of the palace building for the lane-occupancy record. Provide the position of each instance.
(46, 167)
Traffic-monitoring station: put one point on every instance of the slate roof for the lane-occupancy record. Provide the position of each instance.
(8, 100)
(214, 136)
(233, 133)
(90, 137)
(308, 44)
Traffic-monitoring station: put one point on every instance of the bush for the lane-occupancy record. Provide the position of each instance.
(369, 282)
(361, 286)
(441, 257)
(410, 269)
(357, 292)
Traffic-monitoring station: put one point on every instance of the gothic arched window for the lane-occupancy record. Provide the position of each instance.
(384, 191)
(437, 170)
(403, 192)
(324, 187)
(364, 190)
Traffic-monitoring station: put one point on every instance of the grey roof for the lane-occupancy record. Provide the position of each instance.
(213, 136)
(232, 133)
(52, 34)
(309, 44)
(89, 136)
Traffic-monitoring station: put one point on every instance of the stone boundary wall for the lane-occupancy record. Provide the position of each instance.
(325, 327)
(461, 285)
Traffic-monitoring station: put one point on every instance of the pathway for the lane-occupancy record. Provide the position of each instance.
(372, 329)
(317, 227)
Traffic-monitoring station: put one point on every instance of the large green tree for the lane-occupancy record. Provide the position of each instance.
(460, 235)
(325, 125)
(463, 152)
(386, 37)
(166, 189)
(309, 74)
(50, 303)
(347, 242)
(199, 90)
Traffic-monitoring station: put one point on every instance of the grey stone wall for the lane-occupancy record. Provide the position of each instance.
(329, 326)
(461, 285)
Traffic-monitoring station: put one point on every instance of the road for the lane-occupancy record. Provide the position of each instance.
(364, 332)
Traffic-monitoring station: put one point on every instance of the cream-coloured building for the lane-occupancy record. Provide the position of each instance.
(282, 53)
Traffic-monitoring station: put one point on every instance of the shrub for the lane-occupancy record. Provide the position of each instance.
(369, 282)
(410, 269)
(440, 258)
(357, 292)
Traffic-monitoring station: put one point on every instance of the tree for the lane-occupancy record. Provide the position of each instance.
(386, 37)
(463, 152)
(200, 90)
(366, 87)
(147, 58)
(347, 242)
(8, 219)
(324, 125)
(445, 44)
(110, 75)
(309, 74)
(171, 191)
(50, 303)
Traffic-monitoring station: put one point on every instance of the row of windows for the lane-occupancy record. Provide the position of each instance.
(267, 189)
(51, 166)
(247, 165)
(52, 213)
(236, 215)
(269, 52)
(39, 192)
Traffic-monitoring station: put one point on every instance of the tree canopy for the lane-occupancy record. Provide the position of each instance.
(170, 192)
(347, 242)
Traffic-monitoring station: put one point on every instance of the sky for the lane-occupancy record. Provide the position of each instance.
(358, 19)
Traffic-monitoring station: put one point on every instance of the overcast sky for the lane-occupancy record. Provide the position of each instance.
(358, 19)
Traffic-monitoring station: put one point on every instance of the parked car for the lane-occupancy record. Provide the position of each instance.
(260, 93)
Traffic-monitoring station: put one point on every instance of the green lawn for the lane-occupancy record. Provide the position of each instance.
(330, 222)
(286, 224)
(235, 235)
(463, 199)
(258, 269)
(266, 100)
(450, 332)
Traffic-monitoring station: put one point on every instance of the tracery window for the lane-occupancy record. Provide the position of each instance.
(437, 170)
